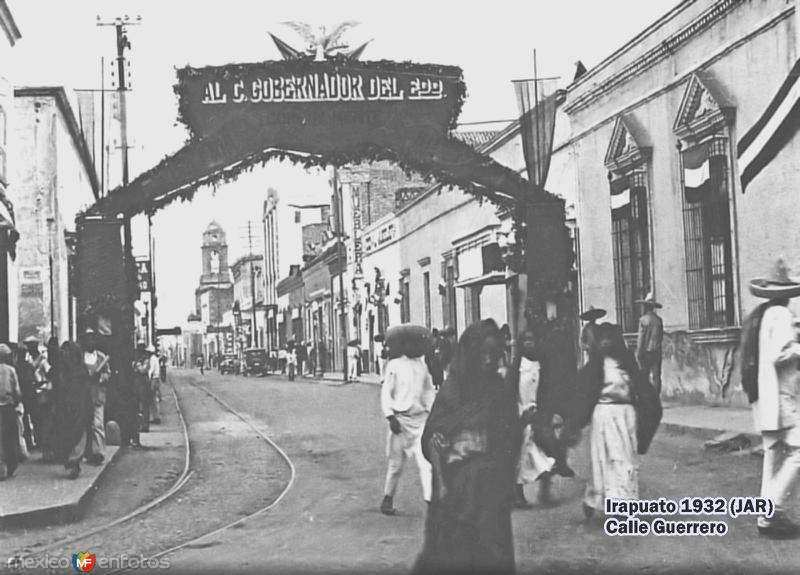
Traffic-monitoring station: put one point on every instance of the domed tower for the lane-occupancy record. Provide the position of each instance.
(215, 256)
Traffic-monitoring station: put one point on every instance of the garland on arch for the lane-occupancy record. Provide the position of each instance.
(239, 147)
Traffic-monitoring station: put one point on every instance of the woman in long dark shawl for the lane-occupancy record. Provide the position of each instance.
(73, 407)
(472, 438)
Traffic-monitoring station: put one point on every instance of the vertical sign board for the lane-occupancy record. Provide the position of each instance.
(358, 254)
(144, 273)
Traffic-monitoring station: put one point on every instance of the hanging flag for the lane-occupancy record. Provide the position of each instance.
(537, 107)
(772, 131)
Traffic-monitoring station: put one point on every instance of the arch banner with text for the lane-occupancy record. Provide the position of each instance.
(316, 113)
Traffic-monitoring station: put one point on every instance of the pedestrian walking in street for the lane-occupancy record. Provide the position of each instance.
(353, 359)
(612, 390)
(162, 371)
(770, 368)
(10, 397)
(291, 362)
(201, 363)
(589, 331)
(31, 422)
(407, 394)
(141, 383)
(154, 395)
(43, 410)
(301, 351)
(648, 341)
(534, 464)
(433, 359)
(472, 439)
(97, 363)
(74, 408)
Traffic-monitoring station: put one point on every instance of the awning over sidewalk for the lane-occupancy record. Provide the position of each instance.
(491, 278)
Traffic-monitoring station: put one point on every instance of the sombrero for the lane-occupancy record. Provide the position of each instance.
(31, 339)
(650, 299)
(777, 285)
(592, 314)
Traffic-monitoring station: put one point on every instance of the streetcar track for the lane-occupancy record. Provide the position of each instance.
(193, 543)
(180, 482)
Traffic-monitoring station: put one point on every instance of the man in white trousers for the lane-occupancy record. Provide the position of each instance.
(407, 395)
(770, 345)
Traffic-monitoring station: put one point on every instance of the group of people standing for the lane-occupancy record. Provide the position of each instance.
(504, 419)
(53, 402)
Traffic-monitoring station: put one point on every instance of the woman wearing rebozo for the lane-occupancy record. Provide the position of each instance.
(624, 411)
(472, 439)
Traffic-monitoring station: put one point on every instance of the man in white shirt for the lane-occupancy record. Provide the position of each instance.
(774, 402)
(534, 463)
(407, 394)
(154, 373)
(97, 364)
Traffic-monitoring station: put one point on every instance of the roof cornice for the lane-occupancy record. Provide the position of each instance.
(651, 57)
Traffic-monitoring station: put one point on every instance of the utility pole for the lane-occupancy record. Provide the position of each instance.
(337, 195)
(122, 344)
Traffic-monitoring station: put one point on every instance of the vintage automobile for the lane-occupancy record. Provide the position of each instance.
(230, 364)
(255, 361)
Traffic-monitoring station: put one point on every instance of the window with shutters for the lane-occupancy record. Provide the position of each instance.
(707, 234)
(631, 243)
(703, 130)
(627, 160)
(448, 292)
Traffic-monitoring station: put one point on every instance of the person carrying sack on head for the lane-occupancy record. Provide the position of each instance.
(770, 360)
(649, 340)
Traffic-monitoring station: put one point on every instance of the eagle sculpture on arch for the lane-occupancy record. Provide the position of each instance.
(320, 44)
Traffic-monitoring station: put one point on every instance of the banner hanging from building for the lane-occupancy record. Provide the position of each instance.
(537, 107)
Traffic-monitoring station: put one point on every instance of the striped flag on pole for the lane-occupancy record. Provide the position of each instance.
(772, 131)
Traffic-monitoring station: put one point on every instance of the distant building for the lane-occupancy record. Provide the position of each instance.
(9, 34)
(285, 245)
(214, 295)
(248, 283)
(54, 180)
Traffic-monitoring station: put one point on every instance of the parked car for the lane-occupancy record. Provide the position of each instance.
(255, 361)
(230, 364)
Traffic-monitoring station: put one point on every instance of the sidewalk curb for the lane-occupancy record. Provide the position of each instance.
(64, 513)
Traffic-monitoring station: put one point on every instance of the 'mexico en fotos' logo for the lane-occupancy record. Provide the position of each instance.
(84, 561)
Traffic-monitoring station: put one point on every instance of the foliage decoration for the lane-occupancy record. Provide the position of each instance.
(233, 126)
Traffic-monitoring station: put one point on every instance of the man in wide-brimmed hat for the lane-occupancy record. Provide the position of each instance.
(649, 340)
(770, 368)
(590, 316)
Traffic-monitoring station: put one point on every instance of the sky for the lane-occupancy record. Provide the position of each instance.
(493, 42)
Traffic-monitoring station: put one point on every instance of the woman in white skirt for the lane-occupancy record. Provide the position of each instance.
(608, 384)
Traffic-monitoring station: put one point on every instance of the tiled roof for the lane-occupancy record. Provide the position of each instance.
(475, 138)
